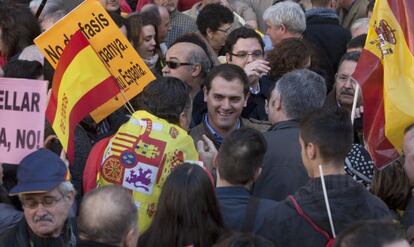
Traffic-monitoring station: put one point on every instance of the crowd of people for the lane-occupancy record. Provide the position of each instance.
(245, 137)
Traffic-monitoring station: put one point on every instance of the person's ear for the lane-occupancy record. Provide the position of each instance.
(184, 121)
(205, 94)
(257, 174)
(131, 238)
(311, 151)
(196, 70)
(210, 33)
(70, 197)
(283, 28)
(267, 106)
(278, 101)
(228, 57)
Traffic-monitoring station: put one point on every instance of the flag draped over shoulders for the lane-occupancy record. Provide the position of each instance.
(81, 84)
(385, 72)
(141, 155)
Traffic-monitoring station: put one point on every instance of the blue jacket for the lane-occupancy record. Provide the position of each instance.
(233, 203)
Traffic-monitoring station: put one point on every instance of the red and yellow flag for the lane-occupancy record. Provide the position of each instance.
(386, 74)
(81, 84)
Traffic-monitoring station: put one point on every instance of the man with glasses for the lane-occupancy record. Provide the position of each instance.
(245, 48)
(344, 89)
(46, 196)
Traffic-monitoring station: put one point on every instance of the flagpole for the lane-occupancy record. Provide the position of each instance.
(354, 103)
(40, 9)
(328, 208)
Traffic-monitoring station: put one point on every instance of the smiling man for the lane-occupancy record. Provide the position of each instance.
(46, 197)
(226, 92)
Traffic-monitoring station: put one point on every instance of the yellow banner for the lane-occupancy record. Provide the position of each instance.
(387, 41)
(112, 47)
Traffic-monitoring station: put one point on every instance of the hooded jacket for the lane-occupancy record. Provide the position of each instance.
(349, 202)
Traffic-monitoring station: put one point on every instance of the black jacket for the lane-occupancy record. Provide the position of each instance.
(283, 171)
(327, 34)
(349, 202)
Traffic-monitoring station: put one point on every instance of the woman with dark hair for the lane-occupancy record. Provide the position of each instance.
(142, 32)
(18, 29)
(392, 185)
(187, 212)
(288, 55)
(215, 22)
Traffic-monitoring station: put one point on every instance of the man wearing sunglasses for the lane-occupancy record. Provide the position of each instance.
(46, 196)
(189, 63)
(245, 48)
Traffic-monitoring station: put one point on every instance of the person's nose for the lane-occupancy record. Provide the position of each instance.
(166, 69)
(225, 105)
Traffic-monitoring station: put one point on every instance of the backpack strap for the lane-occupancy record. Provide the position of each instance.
(306, 217)
(251, 212)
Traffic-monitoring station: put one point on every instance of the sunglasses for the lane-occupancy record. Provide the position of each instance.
(175, 64)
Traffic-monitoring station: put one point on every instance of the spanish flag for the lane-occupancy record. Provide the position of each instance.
(385, 72)
(81, 84)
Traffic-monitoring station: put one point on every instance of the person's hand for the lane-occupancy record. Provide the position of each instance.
(64, 158)
(359, 111)
(256, 69)
(207, 152)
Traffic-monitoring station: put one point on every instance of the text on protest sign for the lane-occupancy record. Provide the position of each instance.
(22, 118)
(113, 48)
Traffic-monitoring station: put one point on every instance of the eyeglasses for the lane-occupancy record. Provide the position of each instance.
(47, 202)
(226, 31)
(245, 54)
(345, 78)
(176, 64)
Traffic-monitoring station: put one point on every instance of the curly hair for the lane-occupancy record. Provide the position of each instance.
(213, 16)
(288, 55)
(18, 28)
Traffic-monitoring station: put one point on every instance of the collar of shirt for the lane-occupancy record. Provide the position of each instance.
(216, 136)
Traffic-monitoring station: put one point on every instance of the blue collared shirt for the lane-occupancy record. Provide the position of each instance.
(216, 136)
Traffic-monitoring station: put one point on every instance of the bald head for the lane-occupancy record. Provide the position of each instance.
(108, 215)
(408, 149)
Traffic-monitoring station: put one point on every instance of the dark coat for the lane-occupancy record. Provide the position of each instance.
(349, 202)
(9, 216)
(329, 36)
(283, 171)
(233, 203)
(19, 236)
(357, 10)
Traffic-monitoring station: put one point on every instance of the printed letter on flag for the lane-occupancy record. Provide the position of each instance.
(386, 74)
(80, 85)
